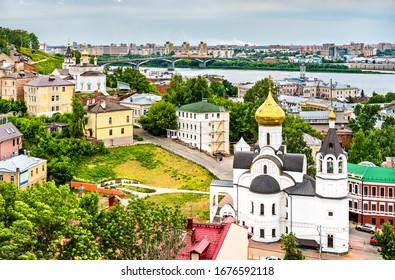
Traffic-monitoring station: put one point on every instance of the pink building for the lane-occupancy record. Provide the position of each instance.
(10, 140)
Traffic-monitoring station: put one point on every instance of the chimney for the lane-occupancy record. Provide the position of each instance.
(28, 153)
(51, 77)
(190, 223)
(103, 104)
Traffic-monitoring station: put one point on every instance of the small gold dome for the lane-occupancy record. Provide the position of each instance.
(269, 113)
(332, 116)
(84, 53)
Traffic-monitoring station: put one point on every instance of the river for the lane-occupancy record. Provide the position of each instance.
(379, 83)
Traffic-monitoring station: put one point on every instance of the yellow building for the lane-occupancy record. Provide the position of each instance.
(110, 122)
(48, 95)
(23, 170)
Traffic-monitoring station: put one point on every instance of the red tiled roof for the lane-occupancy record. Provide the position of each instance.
(205, 239)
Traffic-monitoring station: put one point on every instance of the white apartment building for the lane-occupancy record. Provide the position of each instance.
(204, 126)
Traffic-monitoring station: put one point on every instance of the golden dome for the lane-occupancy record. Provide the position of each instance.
(332, 116)
(269, 113)
(84, 53)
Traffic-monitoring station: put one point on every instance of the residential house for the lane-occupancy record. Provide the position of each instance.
(371, 196)
(23, 170)
(204, 126)
(12, 84)
(47, 95)
(10, 140)
(110, 122)
(212, 241)
(140, 103)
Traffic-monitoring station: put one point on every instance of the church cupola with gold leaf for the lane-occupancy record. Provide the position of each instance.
(270, 117)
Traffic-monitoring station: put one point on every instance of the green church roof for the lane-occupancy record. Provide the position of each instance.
(371, 173)
(201, 107)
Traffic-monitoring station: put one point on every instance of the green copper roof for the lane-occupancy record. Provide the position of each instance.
(372, 174)
(201, 107)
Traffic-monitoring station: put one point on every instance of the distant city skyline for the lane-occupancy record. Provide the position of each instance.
(256, 22)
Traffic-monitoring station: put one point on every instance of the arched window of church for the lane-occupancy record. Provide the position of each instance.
(329, 167)
(252, 207)
(110, 120)
(268, 139)
(274, 209)
(265, 169)
(330, 241)
(262, 209)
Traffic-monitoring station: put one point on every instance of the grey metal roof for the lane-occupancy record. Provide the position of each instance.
(264, 184)
(48, 81)
(105, 106)
(8, 131)
(293, 162)
(305, 188)
(23, 162)
(222, 183)
(331, 144)
(243, 160)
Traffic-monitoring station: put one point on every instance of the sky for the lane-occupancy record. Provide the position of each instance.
(256, 22)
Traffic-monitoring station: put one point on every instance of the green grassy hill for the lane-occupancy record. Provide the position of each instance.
(44, 63)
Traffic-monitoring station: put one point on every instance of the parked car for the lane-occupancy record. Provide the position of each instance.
(373, 241)
(366, 227)
(271, 258)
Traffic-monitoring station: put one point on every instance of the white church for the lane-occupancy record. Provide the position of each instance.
(86, 76)
(272, 194)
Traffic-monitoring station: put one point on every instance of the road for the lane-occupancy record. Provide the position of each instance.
(221, 169)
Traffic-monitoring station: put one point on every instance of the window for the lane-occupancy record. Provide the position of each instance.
(373, 221)
(206, 116)
(381, 222)
(31, 173)
(122, 130)
(390, 208)
(37, 170)
(63, 89)
(127, 119)
(390, 192)
(217, 115)
(265, 169)
(252, 230)
(194, 115)
(1, 177)
(252, 207)
(349, 203)
(187, 115)
(355, 204)
(330, 214)
(373, 191)
(57, 108)
(13, 142)
(273, 232)
(267, 139)
(262, 233)
(43, 168)
(57, 97)
(382, 192)
(110, 132)
(17, 141)
(286, 215)
(182, 114)
(110, 120)
(356, 189)
(350, 188)
(382, 207)
(373, 207)
(286, 202)
(262, 209)
(53, 98)
(330, 241)
(274, 209)
(286, 230)
(365, 190)
(11, 178)
(365, 207)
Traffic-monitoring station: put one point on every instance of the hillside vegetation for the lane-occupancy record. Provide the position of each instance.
(44, 63)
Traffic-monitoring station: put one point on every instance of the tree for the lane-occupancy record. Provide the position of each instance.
(365, 148)
(217, 89)
(160, 116)
(365, 117)
(259, 91)
(377, 98)
(386, 239)
(289, 246)
(78, 118)
(134, 78)
(230, 89)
